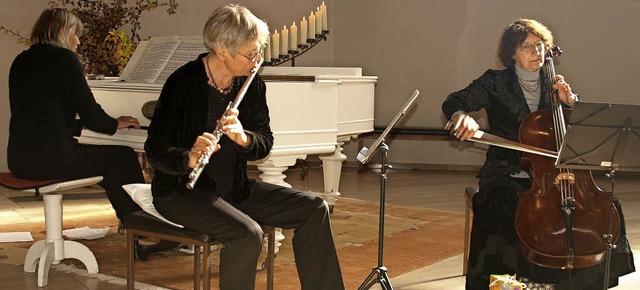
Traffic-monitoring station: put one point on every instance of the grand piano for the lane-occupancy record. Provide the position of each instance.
(313, 110)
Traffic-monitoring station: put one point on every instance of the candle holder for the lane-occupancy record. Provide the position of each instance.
(293, 54)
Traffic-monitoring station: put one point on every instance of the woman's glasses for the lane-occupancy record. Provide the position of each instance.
(529, 48)
(255, 56)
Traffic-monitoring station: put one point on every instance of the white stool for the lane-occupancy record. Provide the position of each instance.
(54, 248)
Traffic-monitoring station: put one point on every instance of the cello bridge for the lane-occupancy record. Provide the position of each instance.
(565, 177)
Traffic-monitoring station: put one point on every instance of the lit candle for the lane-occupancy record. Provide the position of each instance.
(323, 8)
(312, 26)
(303, 31)
(267, 51)
(275, 44)
(284, 41)
(318, 21)
(293, 40)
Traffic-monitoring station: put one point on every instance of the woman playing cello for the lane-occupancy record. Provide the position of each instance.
(508, 96)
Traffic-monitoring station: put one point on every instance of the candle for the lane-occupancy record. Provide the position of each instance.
(318, 21)
(267, 51)
(323, 8)
(293, 40)
(284, 40)
(311, 33)
(275, 44)
(303, 31)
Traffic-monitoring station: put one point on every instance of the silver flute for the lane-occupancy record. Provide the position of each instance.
(217, 133)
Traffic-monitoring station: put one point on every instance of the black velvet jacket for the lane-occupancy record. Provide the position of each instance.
(498, 92)
(181, 116)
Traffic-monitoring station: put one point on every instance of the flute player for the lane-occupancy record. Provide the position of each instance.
(225, 203)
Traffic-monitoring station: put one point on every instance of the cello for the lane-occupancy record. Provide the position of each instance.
(564, 220)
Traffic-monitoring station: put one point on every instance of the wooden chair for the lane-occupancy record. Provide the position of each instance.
(54, 248)
(141, 223)
(469, 192)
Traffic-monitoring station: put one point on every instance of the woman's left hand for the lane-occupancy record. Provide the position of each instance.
(232, 127)
(564, 90)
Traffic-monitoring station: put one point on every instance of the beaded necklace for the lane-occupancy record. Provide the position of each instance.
(212, 81)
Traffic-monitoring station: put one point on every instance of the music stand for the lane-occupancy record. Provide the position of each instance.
(602, 136)
(379, 273)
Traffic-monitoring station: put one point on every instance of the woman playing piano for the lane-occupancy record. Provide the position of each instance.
(47, 90)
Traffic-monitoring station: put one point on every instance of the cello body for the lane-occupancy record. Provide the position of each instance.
(564, 219)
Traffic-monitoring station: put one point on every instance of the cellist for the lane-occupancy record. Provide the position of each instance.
(508, 96)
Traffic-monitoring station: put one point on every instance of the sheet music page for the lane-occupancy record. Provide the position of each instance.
(154, 59)
(187, 50)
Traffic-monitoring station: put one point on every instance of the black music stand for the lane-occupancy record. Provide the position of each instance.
(602, 136)
(379, 273)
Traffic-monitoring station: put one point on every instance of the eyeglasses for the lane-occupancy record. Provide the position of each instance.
(254, 57)
(529, 48)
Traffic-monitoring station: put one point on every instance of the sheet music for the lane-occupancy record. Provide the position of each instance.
(154, 60)
(187, 50)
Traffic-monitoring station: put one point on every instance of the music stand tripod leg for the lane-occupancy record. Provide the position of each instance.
(380, 272)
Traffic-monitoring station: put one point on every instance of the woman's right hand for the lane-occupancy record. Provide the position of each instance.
(127, 121)
(462, 126)
(203, 144)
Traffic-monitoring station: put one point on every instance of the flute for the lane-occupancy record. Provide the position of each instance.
(217, 132)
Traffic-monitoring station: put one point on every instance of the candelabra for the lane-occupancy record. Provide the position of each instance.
(293, 54)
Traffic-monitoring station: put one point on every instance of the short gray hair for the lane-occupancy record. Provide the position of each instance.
(53, 27)
(232, 26)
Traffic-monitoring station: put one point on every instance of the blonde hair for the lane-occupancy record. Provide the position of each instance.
(232, 26)
(53, 27)
(516, 33)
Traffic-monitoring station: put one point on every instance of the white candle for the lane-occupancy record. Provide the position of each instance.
(267, 51)
(275, 44)
(303, 31)
(284, 41)
(323, 8)
(293, 40)
(318, 21)
(312, 26)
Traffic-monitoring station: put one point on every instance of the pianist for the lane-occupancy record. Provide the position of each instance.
(47, 89)
(224, 202)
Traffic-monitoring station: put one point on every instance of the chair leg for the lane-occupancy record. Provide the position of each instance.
(271, 245)
(131, 279)
(206, 266)
(465, 252)
(196, 267)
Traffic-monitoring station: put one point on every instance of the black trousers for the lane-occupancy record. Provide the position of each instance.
(118, 165)
(237, 227)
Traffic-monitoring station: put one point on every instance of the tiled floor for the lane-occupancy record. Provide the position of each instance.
(423, 188)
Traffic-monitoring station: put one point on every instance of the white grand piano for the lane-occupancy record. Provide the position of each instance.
(313, 110)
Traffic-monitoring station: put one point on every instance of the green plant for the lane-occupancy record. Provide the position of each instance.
(104, 47)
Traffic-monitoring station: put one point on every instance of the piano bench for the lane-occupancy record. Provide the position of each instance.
(141, 223)
(54, 248)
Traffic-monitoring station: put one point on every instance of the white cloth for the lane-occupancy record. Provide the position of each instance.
(141, 194)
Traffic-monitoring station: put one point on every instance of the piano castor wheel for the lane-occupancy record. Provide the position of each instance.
(331, 208)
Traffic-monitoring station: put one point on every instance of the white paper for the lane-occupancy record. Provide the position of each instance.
(15, 237)
(85, 233)
(154, 60)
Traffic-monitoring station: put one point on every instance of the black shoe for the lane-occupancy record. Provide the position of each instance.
(142, 252)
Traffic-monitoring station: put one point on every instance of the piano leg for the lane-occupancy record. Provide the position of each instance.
(332, 169)
(272, 169)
